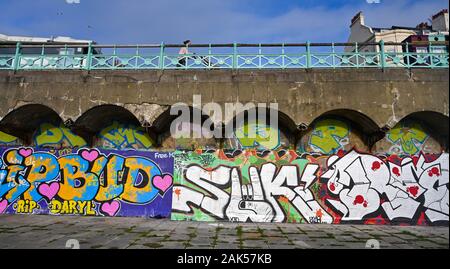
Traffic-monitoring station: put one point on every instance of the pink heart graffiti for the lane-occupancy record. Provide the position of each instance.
(162, 182)
(89, 155)
(3, 206)
(49, 190)
(25, 152)
(110, 208)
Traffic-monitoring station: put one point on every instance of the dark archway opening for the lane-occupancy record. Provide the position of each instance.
(25, 120)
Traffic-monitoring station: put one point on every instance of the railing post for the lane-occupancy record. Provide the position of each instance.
(408, 61)
(65, 57)
(89, 57)
(114, 58)
(136, 59)
(42, 57)
(235, 55)
(16, 57)
(430, 54)
(209, 55)
(333, 55)
(382, 54)
(161, 56)
(308, 54)
(259, 56)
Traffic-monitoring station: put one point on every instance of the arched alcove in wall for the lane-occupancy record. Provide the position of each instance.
(39, 126)
(113, 127)
(260, 129)
(423, 131)
(186, 128)
(336, 130)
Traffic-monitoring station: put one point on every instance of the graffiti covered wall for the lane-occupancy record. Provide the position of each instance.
(56, 137)
(124, 136)
(8, 140)
(85, 182)
(245, 186)
(328, 136)
(257, 135)
(188, 136)
(223, 185)
(286, 186)
(407, 137)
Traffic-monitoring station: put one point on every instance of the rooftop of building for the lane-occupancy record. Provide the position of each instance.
(423, 26)
(39, 40)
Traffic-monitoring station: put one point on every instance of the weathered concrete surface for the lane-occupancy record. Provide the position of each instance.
(384, 96)
(40, 231)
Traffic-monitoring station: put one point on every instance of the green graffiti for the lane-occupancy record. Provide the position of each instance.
(49, 135)
(7, 139)
(409, 136)
(120, 136)
(292, 214)
(196, 181)
(197, 215)
(256, 135)
(328, 134)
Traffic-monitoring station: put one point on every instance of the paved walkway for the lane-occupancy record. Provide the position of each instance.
(39, 231)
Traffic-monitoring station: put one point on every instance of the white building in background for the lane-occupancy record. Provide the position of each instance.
(40, 40)
(362, 33)
(31, 54)
(59, 40)
(440, 21)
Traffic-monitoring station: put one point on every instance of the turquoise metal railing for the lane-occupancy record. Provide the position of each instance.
(223, 56)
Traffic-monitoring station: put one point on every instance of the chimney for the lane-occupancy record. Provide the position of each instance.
(423, 26)
(439, 21)
(357, 19)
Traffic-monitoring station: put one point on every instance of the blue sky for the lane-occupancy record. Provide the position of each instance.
(206, 21)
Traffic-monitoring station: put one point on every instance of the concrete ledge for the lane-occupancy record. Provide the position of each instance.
(385, 96)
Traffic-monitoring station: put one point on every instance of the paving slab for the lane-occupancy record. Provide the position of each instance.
(52, 232)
